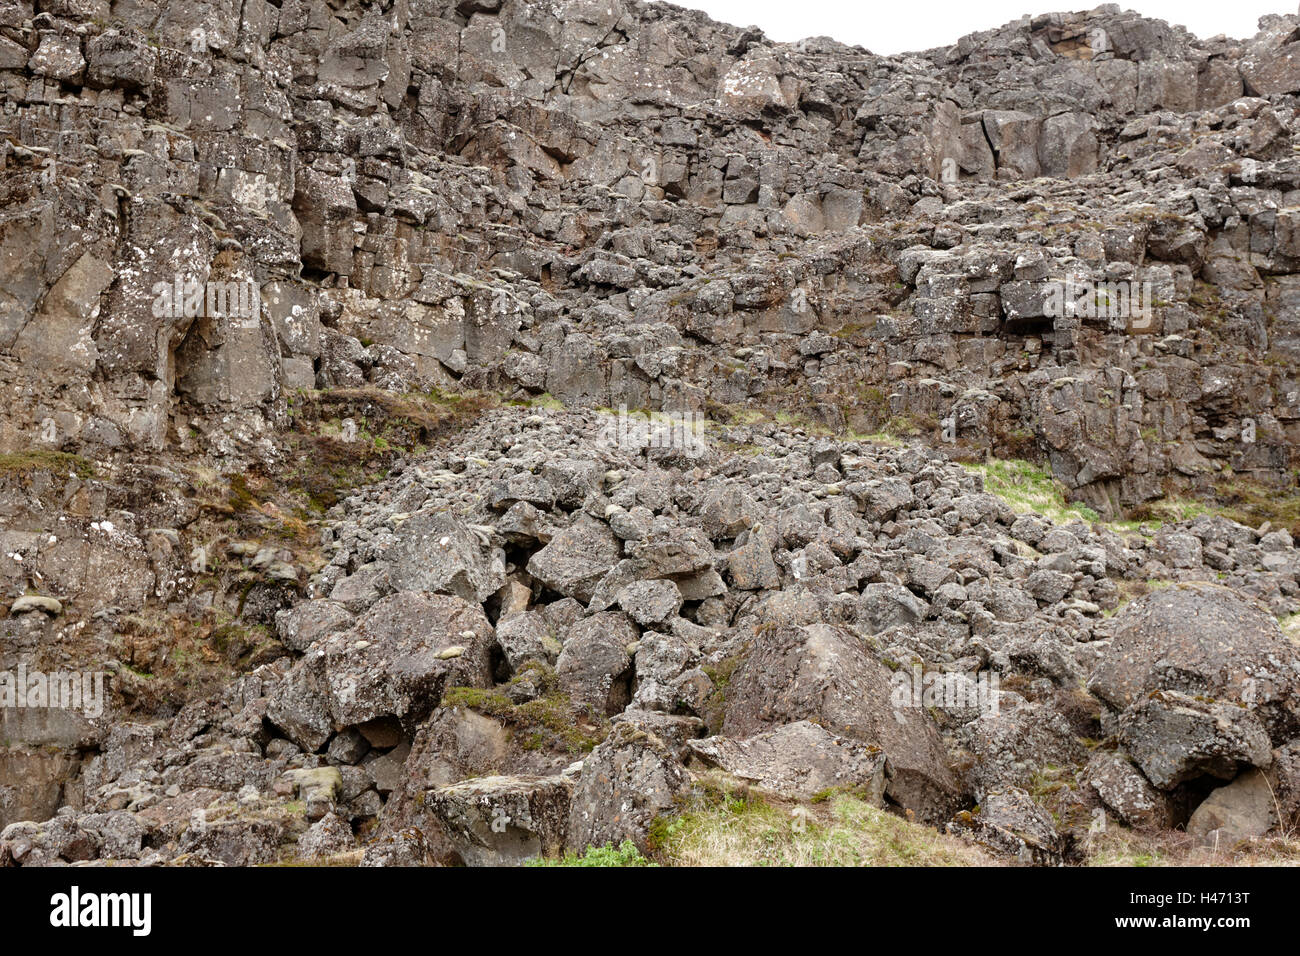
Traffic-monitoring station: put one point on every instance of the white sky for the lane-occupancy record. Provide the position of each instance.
(898, 26)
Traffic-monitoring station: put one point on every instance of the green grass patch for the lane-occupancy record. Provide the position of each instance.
(328, 465)
(744, 830)
(545, 400)
(548, 722)
(910, 426)
(1241, 500)
(55, 462)
(1028, 488)
(625, 854)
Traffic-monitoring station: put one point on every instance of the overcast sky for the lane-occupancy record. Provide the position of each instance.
(898, 26)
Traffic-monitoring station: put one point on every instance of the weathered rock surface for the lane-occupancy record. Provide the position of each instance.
(797, 760)
(822, 673)
(1127, 793)
(311, 319)
(626, 782)
(496, 821)
(1206, 641)
(1011, 822)
(1174, 738)
(1244, 809)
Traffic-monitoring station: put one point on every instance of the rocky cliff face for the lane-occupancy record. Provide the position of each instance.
(307, 315)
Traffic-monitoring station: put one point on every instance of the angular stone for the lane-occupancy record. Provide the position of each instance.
(1124, 790)
(577, 558)
(595, 666)
(502, 821)
(1243, 810)
(626, 782)
(650, 602)
(825, 674)
(438, 553)
(1174, 737)
(798, 761)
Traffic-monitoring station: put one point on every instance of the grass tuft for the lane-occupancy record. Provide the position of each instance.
(745, 830)
(25, 462)
(625, 854)
(1028, 488)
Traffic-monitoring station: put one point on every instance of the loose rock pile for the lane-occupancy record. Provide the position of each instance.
(534, 639)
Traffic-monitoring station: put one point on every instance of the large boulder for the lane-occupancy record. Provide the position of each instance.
(595, 667)
(627, 781)
(882, 500)
(305, 624)
(1244, 809)
(328, 836)
(577, 558)
(680, 552)
(1129, 795)
(650, 602)
(885, 605)
(394, 663)
(401, 655)
(298, 705)
(233, 840)
(750, 566)
(526, 636)
(1012, 822)
(825, 674)
(436, 552)
(501, 821)
(1272, 72)
(1067, 145)
(1013, 743)
(1175, 738)
(1205, 641)
(455, 743)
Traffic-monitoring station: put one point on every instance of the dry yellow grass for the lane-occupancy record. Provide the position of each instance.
(1122, 847)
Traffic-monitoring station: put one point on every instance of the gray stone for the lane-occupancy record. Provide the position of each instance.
(798, 761)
